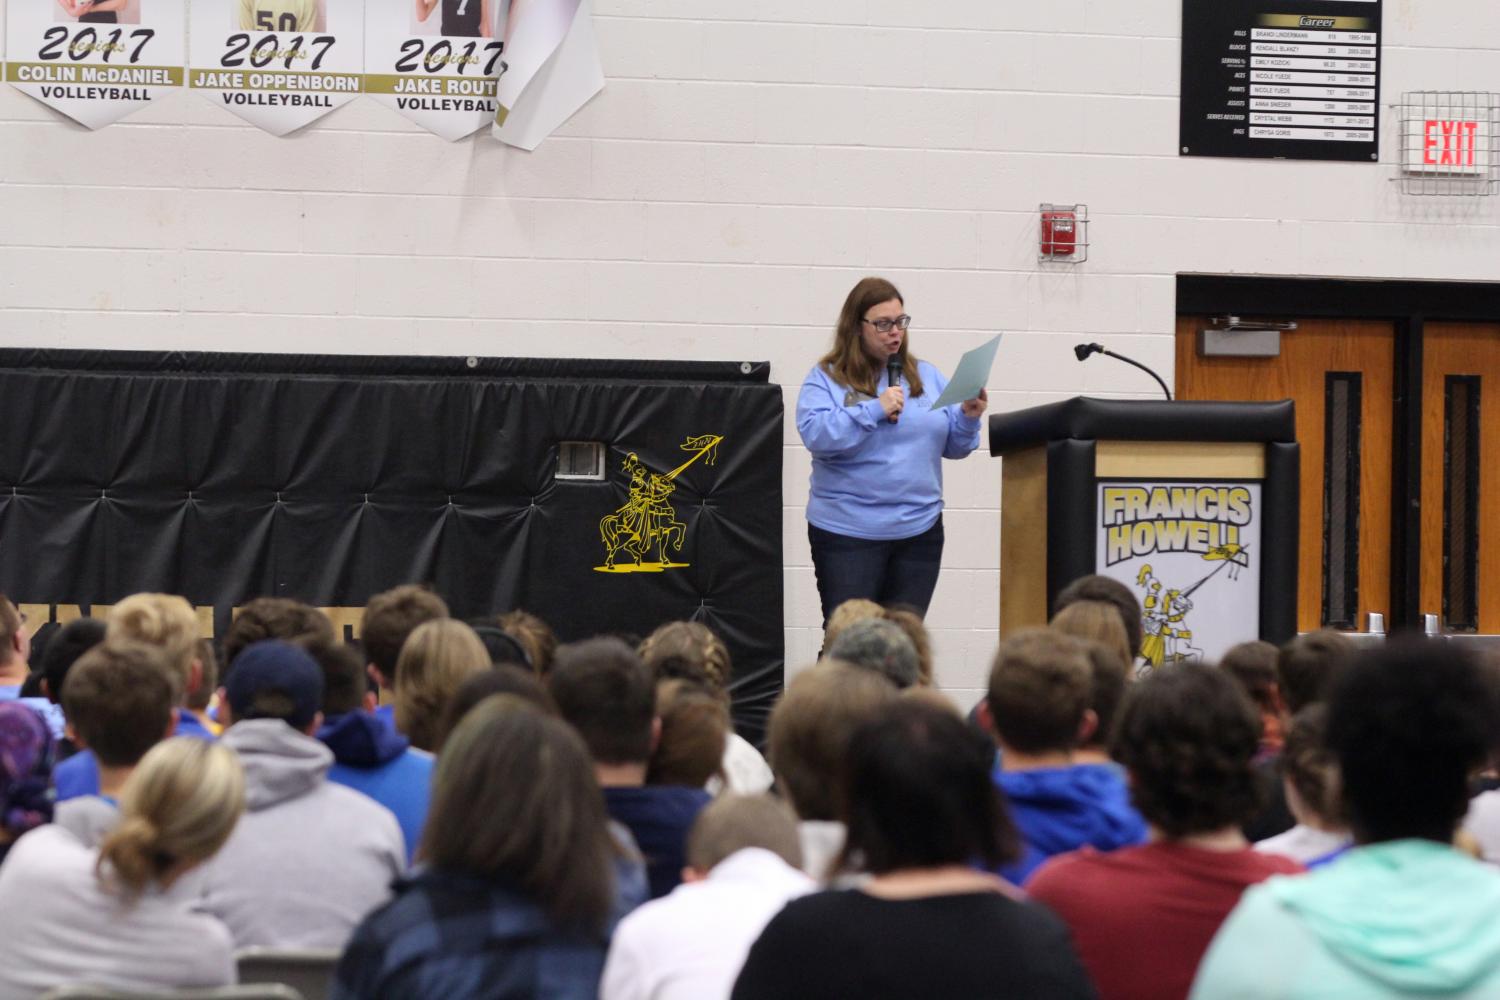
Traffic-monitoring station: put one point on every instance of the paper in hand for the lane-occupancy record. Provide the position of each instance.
(969, 378)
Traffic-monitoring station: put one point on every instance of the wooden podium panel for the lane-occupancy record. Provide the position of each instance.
(1192, 506)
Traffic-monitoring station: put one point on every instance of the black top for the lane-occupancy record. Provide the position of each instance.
(99, 17)
(461, 17)
(972, 946)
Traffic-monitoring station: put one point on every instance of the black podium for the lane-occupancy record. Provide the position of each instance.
(1194, 506)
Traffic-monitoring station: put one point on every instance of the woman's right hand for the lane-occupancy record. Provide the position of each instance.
(892, 401)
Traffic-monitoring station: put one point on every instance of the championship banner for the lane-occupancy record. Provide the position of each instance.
(435, 61)
(278, 64)
(551, 68)
(1191, 554)
(96, 61)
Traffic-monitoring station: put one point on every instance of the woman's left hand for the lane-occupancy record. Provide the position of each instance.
(976, 406)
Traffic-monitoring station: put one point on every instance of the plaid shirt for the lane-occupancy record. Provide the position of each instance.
(454, 937)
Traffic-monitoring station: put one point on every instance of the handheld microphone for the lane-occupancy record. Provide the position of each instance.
(1082, 352)
(893, 373)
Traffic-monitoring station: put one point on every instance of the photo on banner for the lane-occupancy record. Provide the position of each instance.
(95, 61)
(278, 64)
(1190, 552)
(436, 62)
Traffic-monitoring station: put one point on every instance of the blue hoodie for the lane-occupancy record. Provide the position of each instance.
(1060, 809)
(1406, 918)
(371, 757)
(855, 449)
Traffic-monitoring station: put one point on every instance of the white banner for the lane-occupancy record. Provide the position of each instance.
(551, 68)
(435, 61)
(96, 61)
(278, 64)
(1191, 553)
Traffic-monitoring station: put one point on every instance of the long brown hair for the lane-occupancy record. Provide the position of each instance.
(847, 361)
(514, 797)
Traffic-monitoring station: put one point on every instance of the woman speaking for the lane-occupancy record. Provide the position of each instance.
(875, 514)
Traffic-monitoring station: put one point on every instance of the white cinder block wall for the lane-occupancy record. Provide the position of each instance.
(747, 162)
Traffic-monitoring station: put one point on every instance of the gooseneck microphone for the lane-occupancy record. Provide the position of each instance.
(1082, 352)
(893, 373)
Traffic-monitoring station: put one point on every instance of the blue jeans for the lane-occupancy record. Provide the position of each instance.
(902, 571)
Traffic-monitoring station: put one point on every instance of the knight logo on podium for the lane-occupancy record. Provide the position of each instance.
(1192, 506)
(1185, 550)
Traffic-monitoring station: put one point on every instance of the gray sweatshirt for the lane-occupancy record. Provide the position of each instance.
(309, 858)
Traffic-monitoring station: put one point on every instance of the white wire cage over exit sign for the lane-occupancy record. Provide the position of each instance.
(1450, 143)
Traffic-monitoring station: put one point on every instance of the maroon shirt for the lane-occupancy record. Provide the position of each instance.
(1142, 917)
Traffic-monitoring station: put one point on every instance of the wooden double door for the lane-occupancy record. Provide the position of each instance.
(1400, 509)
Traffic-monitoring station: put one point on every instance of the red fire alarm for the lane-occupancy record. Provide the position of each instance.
(1064, 229)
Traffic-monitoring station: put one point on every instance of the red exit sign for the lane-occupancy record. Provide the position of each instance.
(1450, 143)
(1447, 144)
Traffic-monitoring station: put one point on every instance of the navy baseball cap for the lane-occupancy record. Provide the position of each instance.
(279, 668)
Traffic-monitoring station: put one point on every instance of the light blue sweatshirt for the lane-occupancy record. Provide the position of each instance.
(871, 478)
(1407, 918)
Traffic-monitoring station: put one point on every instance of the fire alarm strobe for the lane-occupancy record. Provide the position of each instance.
(1064, 233)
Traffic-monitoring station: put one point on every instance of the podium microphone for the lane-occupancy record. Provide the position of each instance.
(893, 373)
(1082, 352)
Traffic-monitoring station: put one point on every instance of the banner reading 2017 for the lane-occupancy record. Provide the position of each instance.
(435, 62)
(278, 64)
(96, 61)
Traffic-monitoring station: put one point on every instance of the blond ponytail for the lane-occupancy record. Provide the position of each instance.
(178, 808)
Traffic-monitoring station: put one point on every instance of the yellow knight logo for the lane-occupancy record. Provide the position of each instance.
(646, 525)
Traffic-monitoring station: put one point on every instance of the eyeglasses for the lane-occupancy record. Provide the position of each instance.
(884, 325)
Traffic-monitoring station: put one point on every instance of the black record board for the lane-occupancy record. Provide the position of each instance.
(1288, 79)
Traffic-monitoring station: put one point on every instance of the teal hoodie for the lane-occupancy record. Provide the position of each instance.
(1408, 918)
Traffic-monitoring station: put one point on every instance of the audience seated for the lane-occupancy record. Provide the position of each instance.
(1108, 678)
(743, 863)
(1404, 914)
(516, 898)
(694, 730)
(1037, 709)
(167, 622)
(119, 698)
(1112, 592)
(881, 646)
(1141, 917)
(118, 917)
(856, 609)
(504, 649)
(17, 680)
(691, 651)
(201, 702)
(1096, 621)
(369, 756)
(808, 740)
(276, 618)
(921, 810)
(500, 680)
(1253, 666)
(605, 692)
(434, 663)
(311, 857)
(64, 648)
(25, 773)
(1308, 667)
(1311, 786)
(15, 651)
(534, 635)
(390, 617)
(910, 622)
